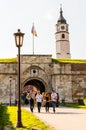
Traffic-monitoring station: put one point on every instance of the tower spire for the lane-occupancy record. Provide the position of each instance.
(61, 10)
(61, 18)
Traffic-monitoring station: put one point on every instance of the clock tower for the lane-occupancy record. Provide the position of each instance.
(62, 38)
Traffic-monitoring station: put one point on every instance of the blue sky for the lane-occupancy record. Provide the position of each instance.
(21, 14)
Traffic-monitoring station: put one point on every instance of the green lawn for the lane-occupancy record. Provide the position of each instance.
(8, 116)
(29, 121)
(74, 106)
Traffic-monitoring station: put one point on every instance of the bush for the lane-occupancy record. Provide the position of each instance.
(1, 112)
(82, 101)
(0, 104)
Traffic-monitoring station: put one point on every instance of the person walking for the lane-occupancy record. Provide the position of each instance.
(47, 100)
(39, 99)
(53, 99)
(31, 98)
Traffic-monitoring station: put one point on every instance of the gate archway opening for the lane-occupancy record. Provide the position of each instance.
(34, 84)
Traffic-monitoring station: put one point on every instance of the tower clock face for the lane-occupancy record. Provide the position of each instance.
(62, 27)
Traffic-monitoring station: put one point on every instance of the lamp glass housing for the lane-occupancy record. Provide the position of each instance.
(19, 38)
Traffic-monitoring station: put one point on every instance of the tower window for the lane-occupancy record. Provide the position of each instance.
(63, 35)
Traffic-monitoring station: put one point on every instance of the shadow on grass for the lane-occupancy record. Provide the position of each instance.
(4, 118)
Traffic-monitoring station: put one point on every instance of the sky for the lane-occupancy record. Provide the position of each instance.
(20, 14)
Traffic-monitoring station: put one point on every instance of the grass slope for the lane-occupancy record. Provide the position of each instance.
(29, 121)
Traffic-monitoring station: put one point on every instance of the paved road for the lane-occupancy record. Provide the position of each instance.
(64, 118)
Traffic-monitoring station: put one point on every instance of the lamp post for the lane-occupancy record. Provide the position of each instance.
(19, 42)
(10, 79)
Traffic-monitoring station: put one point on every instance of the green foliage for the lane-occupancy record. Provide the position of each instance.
(82, 101)
(0, 104)
(8, 60)
(56, 60)
(4, 117)
(29, 121)
(1, 125)
(74, 106)
(76, 61)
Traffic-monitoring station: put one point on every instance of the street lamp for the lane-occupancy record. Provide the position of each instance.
(10, 79)
(19, 42)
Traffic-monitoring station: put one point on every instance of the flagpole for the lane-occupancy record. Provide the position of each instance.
(33, 37)
(34, 33)
(33, 44)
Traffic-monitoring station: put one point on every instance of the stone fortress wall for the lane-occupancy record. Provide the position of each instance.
(69, 80)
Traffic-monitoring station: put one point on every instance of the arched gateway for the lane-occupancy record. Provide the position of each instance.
(34, 84)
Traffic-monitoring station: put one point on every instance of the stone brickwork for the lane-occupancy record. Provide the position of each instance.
(7, 70)
(69, 80)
